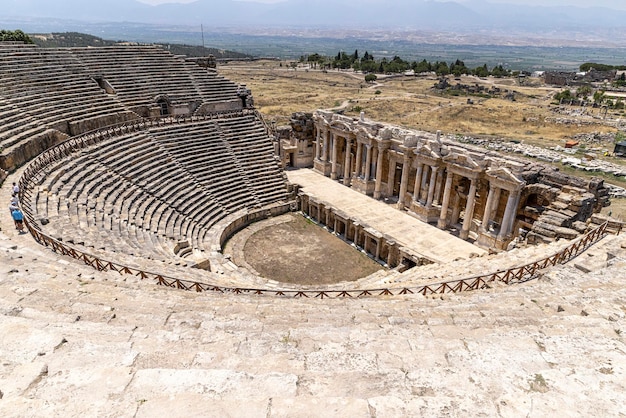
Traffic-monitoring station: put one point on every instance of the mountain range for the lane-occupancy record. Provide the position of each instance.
(349, 14)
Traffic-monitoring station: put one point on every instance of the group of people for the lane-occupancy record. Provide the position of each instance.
(14, 207)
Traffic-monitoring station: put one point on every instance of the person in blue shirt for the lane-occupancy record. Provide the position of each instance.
(18, 218)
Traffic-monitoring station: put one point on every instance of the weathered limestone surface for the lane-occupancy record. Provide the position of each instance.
(77, 342)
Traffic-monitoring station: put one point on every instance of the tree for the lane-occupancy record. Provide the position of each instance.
(583, 92)
(422, 67)
(499, 71)
(481, 71)
(458, 68)
(595, 66)
(441, 68)
(15, 36)
(370, 78)
(599, 97)
(369, 66)
(565, 95)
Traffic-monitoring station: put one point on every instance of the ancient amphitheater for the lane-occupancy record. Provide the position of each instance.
(135, 167)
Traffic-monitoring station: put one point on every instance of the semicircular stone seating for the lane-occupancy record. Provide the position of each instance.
(163, 193)
(156, 197)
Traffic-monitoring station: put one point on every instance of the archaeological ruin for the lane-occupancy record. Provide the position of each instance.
(493, 198)
(141, 155)
(136, 167)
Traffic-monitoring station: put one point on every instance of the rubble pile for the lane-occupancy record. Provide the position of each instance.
(558, 154)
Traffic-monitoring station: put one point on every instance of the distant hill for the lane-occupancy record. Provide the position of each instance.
(399, 14)
(68, 39)
(76, 39)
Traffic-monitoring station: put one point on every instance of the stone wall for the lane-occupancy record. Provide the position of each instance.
(28, 150)
(296, 141)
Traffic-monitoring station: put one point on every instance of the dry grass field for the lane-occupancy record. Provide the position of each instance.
(408, 101)
(413, 102)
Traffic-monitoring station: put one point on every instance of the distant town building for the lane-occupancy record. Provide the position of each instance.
(566, 78)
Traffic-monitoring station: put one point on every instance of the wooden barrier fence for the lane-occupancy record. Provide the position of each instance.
(37, 168)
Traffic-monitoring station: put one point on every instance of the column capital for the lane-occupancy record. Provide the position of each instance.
(383, 146)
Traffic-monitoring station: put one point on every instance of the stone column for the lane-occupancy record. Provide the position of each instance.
(333, 171)
(496, 202)
(374, 158)
(456, 208)
(391, 175)
(325, 150)
(317, 145)
(469, 210)
(509, 215)
(390, 256)
(438, 187)
(488, 205)
(379, 173)
(346, 168)
(425, 177)
(418, 181)
(431, 187)
(406, 167)
(359, 157)
(447, 190)
(368, 162)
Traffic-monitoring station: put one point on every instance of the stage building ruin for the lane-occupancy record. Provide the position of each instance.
(477, 194)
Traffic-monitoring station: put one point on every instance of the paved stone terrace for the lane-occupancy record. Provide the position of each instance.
(431, 242)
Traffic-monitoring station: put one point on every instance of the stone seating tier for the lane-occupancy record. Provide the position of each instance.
(149, 189)
(51, 85)
(48, 88)
(139, 74)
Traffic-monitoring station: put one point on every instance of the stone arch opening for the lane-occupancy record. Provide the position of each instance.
(164, 106)
(535, 200)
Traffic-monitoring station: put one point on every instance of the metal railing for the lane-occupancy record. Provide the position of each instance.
(37, 167)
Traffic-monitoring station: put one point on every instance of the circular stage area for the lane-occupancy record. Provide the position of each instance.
(292, 249)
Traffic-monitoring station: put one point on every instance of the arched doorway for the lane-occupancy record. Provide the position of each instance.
(164, 106)
(534, 201)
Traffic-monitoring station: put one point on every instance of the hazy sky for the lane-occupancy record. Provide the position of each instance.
(614, 4)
